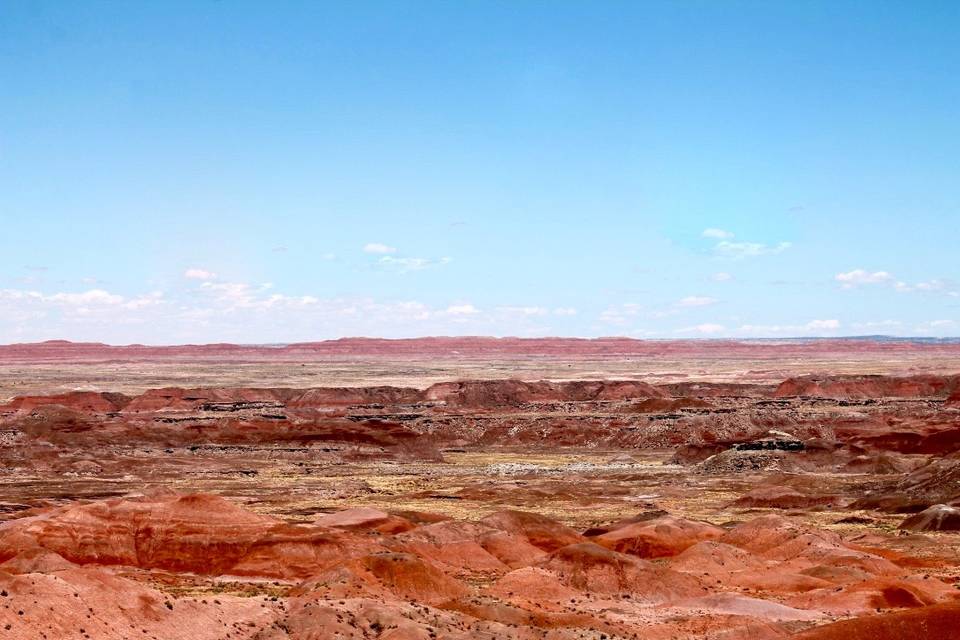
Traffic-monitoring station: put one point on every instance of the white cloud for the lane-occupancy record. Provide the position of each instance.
(404, 265)
(247, 313)
(729, 249)
(565, 311)
(230, 297)
(721, 276)
(928, 286)
(525, 311)
(941, 327)
(462, 310)
(826, 325)
(877, 324)
(147, 300)
(379, 248)
(719, 234)
(708, 328)
(696, 301)
(195, 273)
(858, 277)
(91, 297)
(620, 314)
(812, 328)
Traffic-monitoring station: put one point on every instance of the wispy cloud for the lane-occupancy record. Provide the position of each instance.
(929, 285)
(620, 314)
(378, 248)
(462, 310)
(877, 325)
(696, 301)
(862, 277)
(525, 311)
(858, 277)
(811, 328)
(196, 273)
(91, 297)
(828, 325)
(707, 329)
(726, 247)
(730, 249)
(404, 265)
(718, 234)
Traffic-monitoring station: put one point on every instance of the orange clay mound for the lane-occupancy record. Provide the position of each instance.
(366, 573)
(591, 568)
(658, 538)
(199, 533)
(877, 593)
(461, 546)
(386, 574)
(933, 622)
(364, 519)
(539, 531)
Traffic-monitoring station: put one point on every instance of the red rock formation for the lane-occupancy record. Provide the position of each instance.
(668, 405)
(83, 401)
(954, 399)
(500, 393)
(939, 517)
(861, 387)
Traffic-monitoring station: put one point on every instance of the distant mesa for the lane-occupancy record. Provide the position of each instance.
(465, 347)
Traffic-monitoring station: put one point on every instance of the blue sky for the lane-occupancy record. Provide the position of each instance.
(272, 172)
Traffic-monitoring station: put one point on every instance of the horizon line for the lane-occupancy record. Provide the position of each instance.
(860, 337)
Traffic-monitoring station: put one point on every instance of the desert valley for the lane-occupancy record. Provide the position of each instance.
(481, 488)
